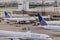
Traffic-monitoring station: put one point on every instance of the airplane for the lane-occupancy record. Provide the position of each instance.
(9, 19)
(24, 35)
(54, 22)
(44, 24)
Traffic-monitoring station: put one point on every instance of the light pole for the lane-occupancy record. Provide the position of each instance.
(43, 8)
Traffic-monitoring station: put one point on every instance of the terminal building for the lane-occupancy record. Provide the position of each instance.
(45, 7)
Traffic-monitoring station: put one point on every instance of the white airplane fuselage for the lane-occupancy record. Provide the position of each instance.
(24, 35)
(53, 22)
(19, 19)
(45, 25)
(51, 27)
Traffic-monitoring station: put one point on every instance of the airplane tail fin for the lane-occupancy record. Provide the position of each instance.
(6, 14)
(29, 29)
(41, 20)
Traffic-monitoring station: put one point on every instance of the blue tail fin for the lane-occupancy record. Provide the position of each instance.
(6, 14)
(29, 29)
(41, 20)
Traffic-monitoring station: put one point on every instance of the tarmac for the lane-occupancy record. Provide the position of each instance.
(34, 29)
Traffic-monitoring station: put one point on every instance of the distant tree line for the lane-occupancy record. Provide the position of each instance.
(8, 5)
(41, 5)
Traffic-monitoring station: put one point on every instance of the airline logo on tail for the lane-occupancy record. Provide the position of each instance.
(6, 14)
(41, 20)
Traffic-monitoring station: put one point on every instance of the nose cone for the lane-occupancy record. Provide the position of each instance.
(47, 37)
